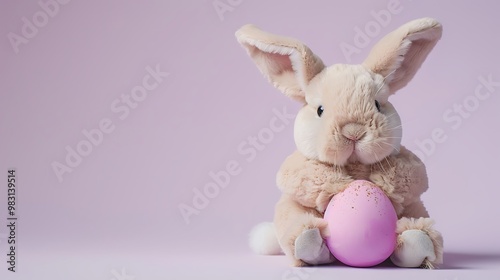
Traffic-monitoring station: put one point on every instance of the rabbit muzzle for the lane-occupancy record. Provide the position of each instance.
(353, 131)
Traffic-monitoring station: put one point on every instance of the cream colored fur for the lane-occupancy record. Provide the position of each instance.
(357, 136)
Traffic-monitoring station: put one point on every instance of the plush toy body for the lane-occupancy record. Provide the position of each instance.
(347, 130)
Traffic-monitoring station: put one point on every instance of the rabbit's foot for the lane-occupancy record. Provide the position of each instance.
(418, 244)
(311, 248)
(414, 249)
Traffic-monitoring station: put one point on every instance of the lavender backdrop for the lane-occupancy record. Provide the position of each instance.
(117, 114)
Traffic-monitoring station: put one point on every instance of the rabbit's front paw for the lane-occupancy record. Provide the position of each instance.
(310, 248)
(414, 249)
(323, 200)
(419, 244)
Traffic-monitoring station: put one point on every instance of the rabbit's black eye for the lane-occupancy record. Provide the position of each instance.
(320, 111)
(377, 105)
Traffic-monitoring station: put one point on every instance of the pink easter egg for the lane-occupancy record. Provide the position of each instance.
(362, 224)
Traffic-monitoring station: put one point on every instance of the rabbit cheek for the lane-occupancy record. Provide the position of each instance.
(392, 132)
(369, 153)
(307, 128)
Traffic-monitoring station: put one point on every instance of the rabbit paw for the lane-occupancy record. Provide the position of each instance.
(310, 248)
(415, 249)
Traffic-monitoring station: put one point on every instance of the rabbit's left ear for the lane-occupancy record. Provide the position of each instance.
(286, 62)
(399, 55)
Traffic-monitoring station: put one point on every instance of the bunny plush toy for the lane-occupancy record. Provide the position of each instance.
(347, 130)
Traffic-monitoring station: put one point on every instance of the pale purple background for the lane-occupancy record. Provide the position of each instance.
(119, 207)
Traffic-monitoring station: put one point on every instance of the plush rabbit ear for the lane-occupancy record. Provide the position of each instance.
(399, 55)
(287, 63)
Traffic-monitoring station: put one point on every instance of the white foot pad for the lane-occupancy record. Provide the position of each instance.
(415, 247)
(310, 248)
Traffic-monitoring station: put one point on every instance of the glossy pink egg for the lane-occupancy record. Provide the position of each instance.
(362, 224)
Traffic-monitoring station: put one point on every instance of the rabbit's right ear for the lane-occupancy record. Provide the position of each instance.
(287, 63)
(400, 53)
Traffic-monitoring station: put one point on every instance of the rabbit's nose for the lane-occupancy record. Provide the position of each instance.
(353, 131)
